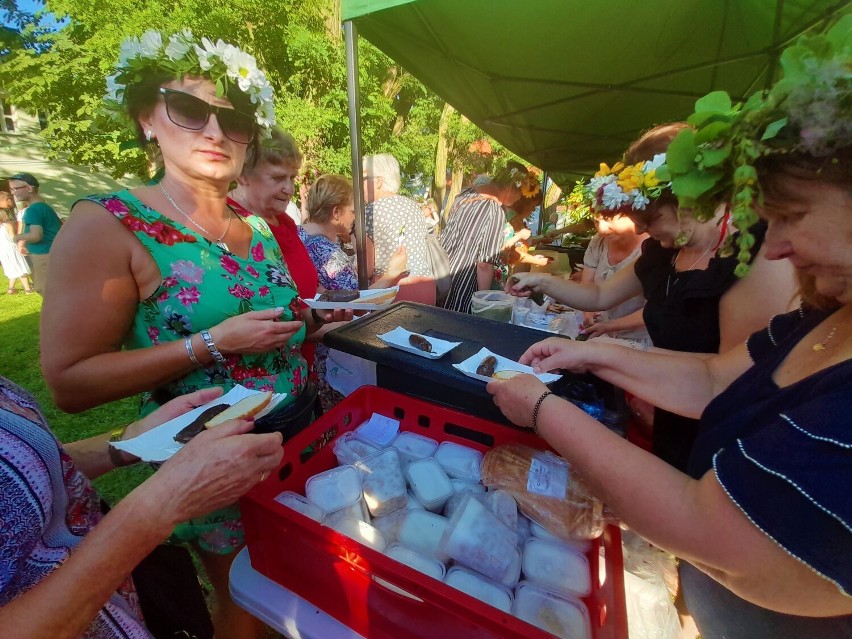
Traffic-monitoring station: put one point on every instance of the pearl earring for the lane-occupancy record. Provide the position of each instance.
(148, 135)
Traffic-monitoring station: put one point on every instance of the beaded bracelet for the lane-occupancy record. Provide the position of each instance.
(190, 352)
(211, 346)
(535, 412)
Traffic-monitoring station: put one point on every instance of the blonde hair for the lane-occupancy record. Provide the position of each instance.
(327, 192)
(280, 148)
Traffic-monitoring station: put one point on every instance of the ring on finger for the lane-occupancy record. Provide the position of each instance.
(264, 475)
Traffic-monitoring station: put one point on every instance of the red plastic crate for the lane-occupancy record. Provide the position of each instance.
(350, 581)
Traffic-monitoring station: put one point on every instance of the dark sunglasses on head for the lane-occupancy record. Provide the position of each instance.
(193, 113)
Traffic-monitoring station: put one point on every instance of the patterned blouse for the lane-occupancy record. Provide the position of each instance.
(397, 220)
(47, 507)
(204, 284)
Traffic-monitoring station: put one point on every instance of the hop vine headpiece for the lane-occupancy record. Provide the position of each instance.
(808, 111)
(622, 189)
(180, 54)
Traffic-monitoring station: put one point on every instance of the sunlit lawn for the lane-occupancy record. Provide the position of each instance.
(19, 362)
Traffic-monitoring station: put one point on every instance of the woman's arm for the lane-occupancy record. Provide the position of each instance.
(213, 470)
(769, 289)
(97, 270)
(678, 382)
(585, 297)
(693, 519)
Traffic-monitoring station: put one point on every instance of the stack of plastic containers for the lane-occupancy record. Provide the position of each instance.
(421, 504)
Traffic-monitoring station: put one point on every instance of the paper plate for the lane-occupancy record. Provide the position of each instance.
(158, 444)
(362, 303)
(469, 366)
(398, 338)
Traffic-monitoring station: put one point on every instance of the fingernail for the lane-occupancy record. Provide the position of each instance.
(279, 309)
(582, 331)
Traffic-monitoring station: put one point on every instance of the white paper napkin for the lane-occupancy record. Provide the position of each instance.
(398, 338)
(158, 444)
(469, 366)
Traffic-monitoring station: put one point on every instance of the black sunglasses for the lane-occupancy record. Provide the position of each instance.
(192, 113)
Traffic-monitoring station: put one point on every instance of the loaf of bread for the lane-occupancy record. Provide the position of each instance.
(546, 489)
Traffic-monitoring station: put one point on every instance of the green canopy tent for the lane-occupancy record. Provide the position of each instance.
(567, 84)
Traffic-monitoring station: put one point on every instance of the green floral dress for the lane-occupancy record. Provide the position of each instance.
(203, 285)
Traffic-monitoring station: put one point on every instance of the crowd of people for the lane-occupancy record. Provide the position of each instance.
(194, 283)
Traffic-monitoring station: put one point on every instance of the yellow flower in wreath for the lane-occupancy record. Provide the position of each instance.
(605, 170)
(651, 179)
(631, 178)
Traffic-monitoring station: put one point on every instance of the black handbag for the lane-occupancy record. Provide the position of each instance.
(292, 419)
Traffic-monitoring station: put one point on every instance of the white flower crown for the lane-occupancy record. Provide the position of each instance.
(223, 64)
(622, 188)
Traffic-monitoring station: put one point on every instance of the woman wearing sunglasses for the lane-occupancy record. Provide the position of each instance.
(163, 287)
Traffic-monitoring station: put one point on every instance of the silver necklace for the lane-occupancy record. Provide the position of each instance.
(674, 270)
(222, 245)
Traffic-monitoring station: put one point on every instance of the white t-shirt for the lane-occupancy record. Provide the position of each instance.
(294, 212)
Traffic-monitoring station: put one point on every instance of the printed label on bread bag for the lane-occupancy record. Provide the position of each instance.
(548, 478)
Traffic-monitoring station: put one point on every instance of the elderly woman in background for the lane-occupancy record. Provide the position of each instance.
(616, 246)
(392, 220)
(762, 518)
(473, 237)
(164, 288)
(694, 301)
(265, 188)
(331, 214)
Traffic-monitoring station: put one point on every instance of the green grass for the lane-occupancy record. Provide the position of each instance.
(19, 362)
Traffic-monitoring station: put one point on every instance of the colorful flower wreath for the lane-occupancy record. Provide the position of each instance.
(622, 189)
(807, 111)
(526, 181)
(179, 53)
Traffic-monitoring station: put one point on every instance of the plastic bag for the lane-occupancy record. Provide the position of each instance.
(546, 489)
(650, 579)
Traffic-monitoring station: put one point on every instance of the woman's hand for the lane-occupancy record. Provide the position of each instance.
(589, 319)
(523, 234)
(525, 284)
(558, 353)
(254, 332)
(174, 408)
(598, 329)
(397, 264)
(516, 397)
(213, 470)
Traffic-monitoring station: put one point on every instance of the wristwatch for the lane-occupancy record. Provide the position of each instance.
(316, 317)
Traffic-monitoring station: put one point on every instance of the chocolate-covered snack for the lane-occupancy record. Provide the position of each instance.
(486, 366)
(535, 296)
(418, 341)
(197, 425)
(339, 296)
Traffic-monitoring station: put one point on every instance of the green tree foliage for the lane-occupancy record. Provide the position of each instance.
(298, 42)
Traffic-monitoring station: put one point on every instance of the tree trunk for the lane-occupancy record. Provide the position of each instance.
(333, 23)
(455, 189)
(439, 180)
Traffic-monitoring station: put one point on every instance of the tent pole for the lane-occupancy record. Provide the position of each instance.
(351, 37)
(541, 208)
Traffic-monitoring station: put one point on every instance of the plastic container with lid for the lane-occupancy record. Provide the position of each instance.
(356, 510)
(504, 507)
(513, 572)
(429, 483)
(301, 504)
(390, 524)
(556, 567)
(538, 531)
(382, 482)
(492, 305)
(564, 617)
(460, 462)
(465, 485)
(412, 502)
(361, 531)
(455, 501)
(480, 587)
(334, 489)
(422, 531)
(412, 446)
(475, 538)
(348, 449)
(427, 565)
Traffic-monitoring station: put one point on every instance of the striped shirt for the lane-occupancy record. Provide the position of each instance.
(474, 233)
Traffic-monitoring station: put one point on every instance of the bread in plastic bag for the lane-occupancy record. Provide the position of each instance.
(546, 489)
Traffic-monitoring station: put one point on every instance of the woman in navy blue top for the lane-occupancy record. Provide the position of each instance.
(762, 520)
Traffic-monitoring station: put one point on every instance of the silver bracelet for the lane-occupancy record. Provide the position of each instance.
(211, 346)
(190, 352)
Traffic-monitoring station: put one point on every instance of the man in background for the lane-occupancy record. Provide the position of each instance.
(40, 225)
